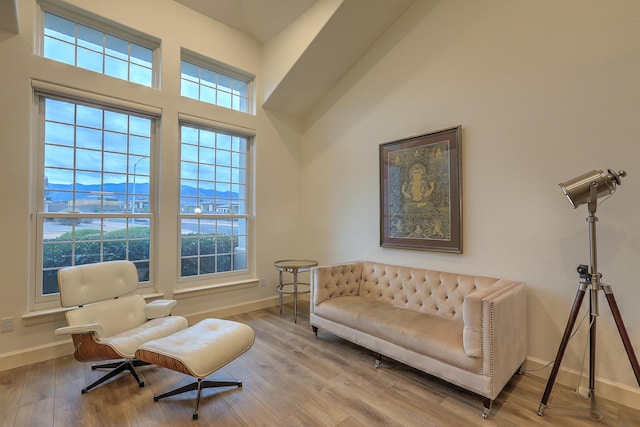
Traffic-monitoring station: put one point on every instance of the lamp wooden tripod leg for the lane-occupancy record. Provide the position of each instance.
(592, 343)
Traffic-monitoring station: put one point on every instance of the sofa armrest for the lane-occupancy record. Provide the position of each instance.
(335, 280)
(473, 314)
(159, 308)
(81, 329)
(505, 339)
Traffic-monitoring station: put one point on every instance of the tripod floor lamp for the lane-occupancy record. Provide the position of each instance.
(587, 189)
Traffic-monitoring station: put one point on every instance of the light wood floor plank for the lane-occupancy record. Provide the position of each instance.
(11, 384)
(290, 378)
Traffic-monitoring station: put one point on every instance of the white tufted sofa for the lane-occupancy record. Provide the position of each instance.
(468, 330)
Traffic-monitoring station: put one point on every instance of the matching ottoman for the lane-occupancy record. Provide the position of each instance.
(198, 351)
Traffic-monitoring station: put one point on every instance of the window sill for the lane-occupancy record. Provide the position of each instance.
(197, 291)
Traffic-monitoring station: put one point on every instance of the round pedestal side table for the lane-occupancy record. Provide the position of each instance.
(295, 288)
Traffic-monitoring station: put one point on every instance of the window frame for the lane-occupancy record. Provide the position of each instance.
(44, 301)
(85, 18)
(221, 68)
(219, 278)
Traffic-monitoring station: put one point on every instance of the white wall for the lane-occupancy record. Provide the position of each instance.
(544, 91)
(276, 163)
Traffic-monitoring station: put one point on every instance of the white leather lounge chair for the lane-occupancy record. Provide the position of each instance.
(109, 324)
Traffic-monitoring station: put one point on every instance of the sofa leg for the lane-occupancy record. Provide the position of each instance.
(486, 402)
(315, 330)
(378, 357)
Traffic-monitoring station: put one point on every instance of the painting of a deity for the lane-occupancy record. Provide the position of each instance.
(420, 192)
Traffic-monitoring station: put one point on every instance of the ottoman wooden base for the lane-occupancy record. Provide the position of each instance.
(199, 351)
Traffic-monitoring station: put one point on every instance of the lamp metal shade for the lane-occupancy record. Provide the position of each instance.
(578, 190)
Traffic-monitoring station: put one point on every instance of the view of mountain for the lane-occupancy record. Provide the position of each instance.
(57, 192)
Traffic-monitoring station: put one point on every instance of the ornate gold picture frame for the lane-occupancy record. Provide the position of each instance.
(421, 192)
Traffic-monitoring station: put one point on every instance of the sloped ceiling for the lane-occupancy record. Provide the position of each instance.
(346, 36)
(261, 19)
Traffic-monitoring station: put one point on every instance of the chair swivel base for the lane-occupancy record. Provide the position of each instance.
(198, 385)
(118, 367)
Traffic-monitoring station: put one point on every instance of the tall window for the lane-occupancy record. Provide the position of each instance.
(214, 86)
(213, 201)
(85, 47)
(96, 204)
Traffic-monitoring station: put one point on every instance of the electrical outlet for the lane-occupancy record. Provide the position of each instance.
(7, 324)
(263, 282)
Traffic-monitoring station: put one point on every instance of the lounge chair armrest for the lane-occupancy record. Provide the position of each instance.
(81, 329)
(159, 308)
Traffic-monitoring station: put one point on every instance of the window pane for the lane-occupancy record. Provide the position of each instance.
(116, 47)
(141, 55)
(206, 172)
(116, 121)
(114, 141)
(224, 142)
(139, 145)
(88, 116)
(223, 158)
(140, 75)
(240, 88)
(225, 83)
(90, 38)
(139, 165)
(140, 126)
(208, 77)
(60, 111)
(54, 177)
(207, 138)
(88, 138)
(60, 134)
(89, 159)
(189, 71)
(89, 60)
(55, 156)
(208, 94)
(59, 28)
(189, 152)
(115, 162)
(189, 89)
(189, 170)
(116, 68)
(224, 99)
(207, 155)
(60, 51)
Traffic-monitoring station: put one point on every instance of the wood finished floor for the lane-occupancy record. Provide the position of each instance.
(290, 378)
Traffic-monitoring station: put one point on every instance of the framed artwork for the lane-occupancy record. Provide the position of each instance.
(420, 192)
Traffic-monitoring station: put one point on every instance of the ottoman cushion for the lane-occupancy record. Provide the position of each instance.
(200, 349)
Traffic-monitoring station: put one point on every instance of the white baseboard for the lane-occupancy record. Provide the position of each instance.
(616, 392)
(34, 355)
(232, 310)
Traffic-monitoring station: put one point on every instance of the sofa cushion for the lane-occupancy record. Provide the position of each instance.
(423, 333)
